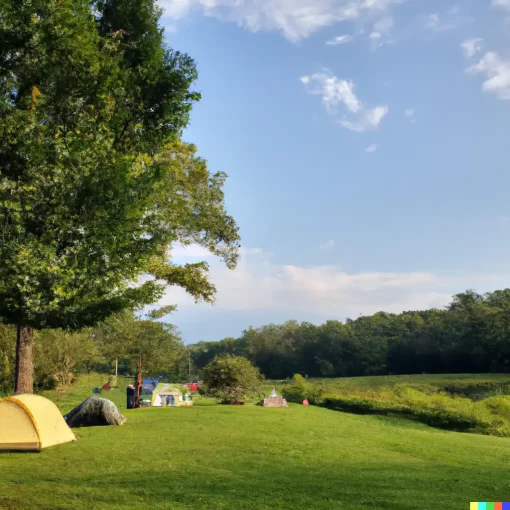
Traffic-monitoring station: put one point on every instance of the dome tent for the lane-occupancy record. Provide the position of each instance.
(31, 422)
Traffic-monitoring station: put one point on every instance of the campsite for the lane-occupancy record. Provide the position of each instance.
(254, 254)
(209, 456)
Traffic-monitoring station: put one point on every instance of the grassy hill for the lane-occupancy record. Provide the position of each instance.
(466, 402)
(215, 457)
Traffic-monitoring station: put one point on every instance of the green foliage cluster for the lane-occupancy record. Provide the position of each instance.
(477, 404)
(60, 355)
(94, 182)
(231, 378)
(156, 345)
(300, 389)
(96, 185)
(490, 416)
(472, 335)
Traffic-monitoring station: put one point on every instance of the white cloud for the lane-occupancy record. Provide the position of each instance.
(175, 8)
(338, 97)
(259, 284)
(368, 120)
(371, 148)
(505, 4)
(295, 19)
(472, 46)
(432, 21)
(410, 114)
(497, 72)
(339, 39)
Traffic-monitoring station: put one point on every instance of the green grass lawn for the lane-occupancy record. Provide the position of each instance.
(216, 457)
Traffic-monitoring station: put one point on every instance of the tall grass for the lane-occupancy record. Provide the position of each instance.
(474, 404)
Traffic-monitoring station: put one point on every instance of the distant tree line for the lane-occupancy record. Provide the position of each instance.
(472, 335)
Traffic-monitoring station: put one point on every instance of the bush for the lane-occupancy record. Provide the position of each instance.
(299, 389)
(231, 378)
(490, 416)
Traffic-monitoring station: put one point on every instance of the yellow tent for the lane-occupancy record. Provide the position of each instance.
(165, 389)
(31, 422)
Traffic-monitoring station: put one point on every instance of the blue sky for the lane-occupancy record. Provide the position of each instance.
(367, 144)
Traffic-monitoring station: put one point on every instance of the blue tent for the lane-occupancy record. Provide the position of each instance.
(149, 384)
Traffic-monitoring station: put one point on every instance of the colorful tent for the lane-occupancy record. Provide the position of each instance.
(31, 422)
(166, 394)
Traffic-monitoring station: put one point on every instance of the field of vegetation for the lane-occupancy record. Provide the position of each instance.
(249, 457)
(476, 403)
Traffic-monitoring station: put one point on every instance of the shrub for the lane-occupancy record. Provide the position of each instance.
(231, 378)
(299, 389)
(296, 390)
(490, 416)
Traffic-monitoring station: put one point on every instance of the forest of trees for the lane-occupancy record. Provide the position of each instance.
(124, 341)
(471, 336)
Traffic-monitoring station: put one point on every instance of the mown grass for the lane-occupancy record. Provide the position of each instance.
(68, 398)
(253, 458)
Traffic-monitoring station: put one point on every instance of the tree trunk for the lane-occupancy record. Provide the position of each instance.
(24, 378)
(116, 368)
(138, 383)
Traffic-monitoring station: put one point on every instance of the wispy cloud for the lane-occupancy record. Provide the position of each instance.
(339, 39)
(496, 70)
(505, 4)
(450, 19)
(410, 114)
(259, 284)
(340, 101)
(381, 32)
(295, 19)
(371, 148)
(193, 251)
(328, 245)
(472, 46)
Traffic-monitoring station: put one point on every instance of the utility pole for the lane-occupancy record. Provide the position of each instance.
(189, 365)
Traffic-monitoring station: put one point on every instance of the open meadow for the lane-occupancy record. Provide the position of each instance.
(249, 457)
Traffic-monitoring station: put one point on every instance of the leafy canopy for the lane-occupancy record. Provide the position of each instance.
(95, 184)
(156, 345)
(231, 378)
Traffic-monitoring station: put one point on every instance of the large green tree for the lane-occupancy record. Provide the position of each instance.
(147, 346)
(95, 184)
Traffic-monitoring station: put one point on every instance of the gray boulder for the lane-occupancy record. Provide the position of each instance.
(93, 412)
